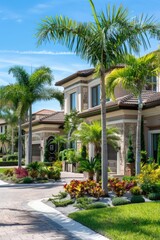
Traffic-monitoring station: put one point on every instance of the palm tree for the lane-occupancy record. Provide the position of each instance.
(101, 43)
(59, 140)
(14, 97)
(92, 133)
(133, 77)
(35, 87)
(11, 120)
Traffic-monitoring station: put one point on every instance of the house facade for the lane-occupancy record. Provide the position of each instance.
(82, 93)
(45, 124)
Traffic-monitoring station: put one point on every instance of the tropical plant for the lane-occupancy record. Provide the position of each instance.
(14, 97)
(102, 43)
(71, 123)
(133, 77)
(3, 140)
(92, 133)
(59, 140)
(91, 166)
(11, 120)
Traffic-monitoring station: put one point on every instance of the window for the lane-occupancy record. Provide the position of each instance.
(95, 95)
(151, 83)
(73, 101)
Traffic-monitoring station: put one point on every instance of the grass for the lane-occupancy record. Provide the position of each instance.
(128, 222)
(2, 170)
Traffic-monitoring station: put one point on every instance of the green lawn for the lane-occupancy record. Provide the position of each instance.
(130, 222)
(3, 169)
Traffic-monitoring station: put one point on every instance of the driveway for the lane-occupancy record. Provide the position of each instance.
(19, 222)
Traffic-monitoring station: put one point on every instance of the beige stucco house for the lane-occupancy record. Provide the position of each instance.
(82, 93)
(45, 124)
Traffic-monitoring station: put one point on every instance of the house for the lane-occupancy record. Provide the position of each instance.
(82, 93)
(45, 124)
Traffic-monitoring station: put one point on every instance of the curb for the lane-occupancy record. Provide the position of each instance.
(72, 226)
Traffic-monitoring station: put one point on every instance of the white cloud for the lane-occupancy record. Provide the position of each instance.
(39, 8)
(36, 52)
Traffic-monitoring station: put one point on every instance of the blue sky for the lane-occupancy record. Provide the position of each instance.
(19, 20)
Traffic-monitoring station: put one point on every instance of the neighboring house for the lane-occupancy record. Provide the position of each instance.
(45, 124)
(3, 129)
(82, 93)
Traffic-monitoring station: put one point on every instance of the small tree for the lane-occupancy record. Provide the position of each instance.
(46, 153)
(130, 153)
(158, 151)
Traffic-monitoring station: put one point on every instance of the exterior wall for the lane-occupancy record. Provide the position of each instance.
(40, 135)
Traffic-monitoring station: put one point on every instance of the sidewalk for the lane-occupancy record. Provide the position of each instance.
(75, 228)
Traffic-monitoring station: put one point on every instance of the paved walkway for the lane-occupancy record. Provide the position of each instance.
(23, 219)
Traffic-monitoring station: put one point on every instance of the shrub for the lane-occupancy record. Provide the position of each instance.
(78, 189)
(58, 165)
(63, 203)
(129, 178)
(117, 186)
(10, 163)
(119, 201)
(61, 195)
(10, 157)
(83, 202)
(53, 173)
(149, 177)
(21, 172)
(136, 190)
(27, 180)
(137, 199)
(9, 172)
(154, 196)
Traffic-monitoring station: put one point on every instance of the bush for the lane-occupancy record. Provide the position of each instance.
(21, 172)
(60, 195)
(58, 165)
(119, 201)
(83, 202)
(137, 199)
(9, 172)
(63, 203)
(53, 173)
(154, 196)
(10, 163)
(10, 157)
(27, 180)
(78, 189)
(129, 178)
(136, 190)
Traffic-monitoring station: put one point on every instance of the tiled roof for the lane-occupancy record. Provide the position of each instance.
(54, 118)
(149, 99)
(44, 112)
(82, 73)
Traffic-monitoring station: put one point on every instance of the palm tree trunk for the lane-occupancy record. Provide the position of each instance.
(19, 143)
(138, 135)
(12, 141)
(30, 136)
(104, 152)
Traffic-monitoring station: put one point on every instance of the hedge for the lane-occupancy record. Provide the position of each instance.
(9, 163)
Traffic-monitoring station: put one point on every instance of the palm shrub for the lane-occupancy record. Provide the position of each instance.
(91, 166)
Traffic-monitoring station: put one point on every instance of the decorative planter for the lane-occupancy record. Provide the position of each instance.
(130, 169)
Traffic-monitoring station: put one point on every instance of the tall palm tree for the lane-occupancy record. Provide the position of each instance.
(101, 43)
(35, 89)
(133, 77)
(92, 133)
(14, 97)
